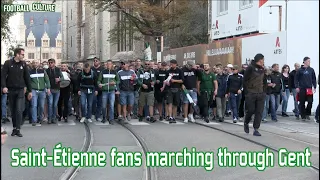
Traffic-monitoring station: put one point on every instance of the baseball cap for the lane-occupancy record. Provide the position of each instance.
(230, 66)
(236, 67)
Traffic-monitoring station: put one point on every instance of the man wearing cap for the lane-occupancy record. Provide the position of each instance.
(190, 74)
(234, 91)
(254, 85)
(207, 86)
(97, 100)
(173, 94)
(306, 84)
(128, 79)
(161, 76)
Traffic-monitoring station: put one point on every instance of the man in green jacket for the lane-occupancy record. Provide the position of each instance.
(108, 81)
(40, 85)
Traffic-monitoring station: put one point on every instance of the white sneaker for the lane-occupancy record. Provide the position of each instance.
(125, 121)
(241, 119)
(235, 120)
(185, 120)
(129, 117)
(82, 120)
(191, 118)
(99, 119)
(89, 120)
(93, 117)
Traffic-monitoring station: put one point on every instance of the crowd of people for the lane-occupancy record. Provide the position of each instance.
(47, 92)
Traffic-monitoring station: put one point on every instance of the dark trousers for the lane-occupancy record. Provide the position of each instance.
(64, 101)
(205, 99)
(254, 106)
(242, 107)
(76, 103)
(303, 98)
(16, 103)
(317, 113)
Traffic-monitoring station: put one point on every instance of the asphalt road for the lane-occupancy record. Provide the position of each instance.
(161, 136)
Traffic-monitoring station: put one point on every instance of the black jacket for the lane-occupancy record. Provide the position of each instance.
(52, 74)
(276, 78)
(235, 83)
(15, 75)
(253, 79)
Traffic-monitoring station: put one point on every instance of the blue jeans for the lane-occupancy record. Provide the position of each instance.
(266, 107)
(4, 105)
(96, 105)
(296, 104)
(275, 101)
(285, 99)
(53, 99)
(86, 104)
(234, 102)
(38, 97)
(127, 98)
(108, 97)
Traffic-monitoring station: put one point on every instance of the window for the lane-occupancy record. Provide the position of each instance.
(59, 43)
(45, 43)
(45, 55)
(245, 3)
(222, 7)
(30, 55)
(58, 55)
(30, 43)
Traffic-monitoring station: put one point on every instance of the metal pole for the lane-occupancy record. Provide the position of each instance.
(280, 18)
(286, 14)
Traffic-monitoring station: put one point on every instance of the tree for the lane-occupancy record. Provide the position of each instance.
(5, 16)
(150, 18)
(10, 52)
(194, 28)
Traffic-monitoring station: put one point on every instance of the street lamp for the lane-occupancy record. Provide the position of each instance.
(280, 14)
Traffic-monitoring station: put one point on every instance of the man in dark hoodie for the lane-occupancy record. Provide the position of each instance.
(306, 84)
(220, 97)
(97, 100)
(254, 88)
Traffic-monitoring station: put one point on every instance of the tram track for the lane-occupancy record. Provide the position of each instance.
(313, 167)
(71, 172)
(151, 172)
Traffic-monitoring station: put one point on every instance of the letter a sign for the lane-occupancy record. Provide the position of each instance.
(278, 42)
(239, 19)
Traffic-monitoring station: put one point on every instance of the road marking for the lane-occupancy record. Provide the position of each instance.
(69, 123)
(210, 123)
(238, 123)
(30, 125)
(98, 123)
(136, 122)
(167, 122)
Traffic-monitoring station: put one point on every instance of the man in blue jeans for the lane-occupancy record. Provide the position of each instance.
(234, 91)
(55, 76)
(128, 79)
(97, 100)
(4, 117)
(40, 84)
(88, 89)
(107, 82)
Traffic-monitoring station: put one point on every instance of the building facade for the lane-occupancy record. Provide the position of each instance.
(281, 30)
(86, 33)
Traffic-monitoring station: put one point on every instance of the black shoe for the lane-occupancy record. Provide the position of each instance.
(152, 119)
(170, 120)
(173, 120)
(160, 118)
(140, 118)
(65, 119)
(221, 119)
(285, 115)
(246, 128)
(53, 122)
(14, 132)
(33, 124)
(213, 118)
(18, 133)
(256, 133)
(111, 122)
(103, 121)
(148, 118)
(206, 120)
(308, 117)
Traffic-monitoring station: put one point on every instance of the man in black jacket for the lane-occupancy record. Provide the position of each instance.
(277, 88)
(14, 78)
(234, 91)
(254, 87)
